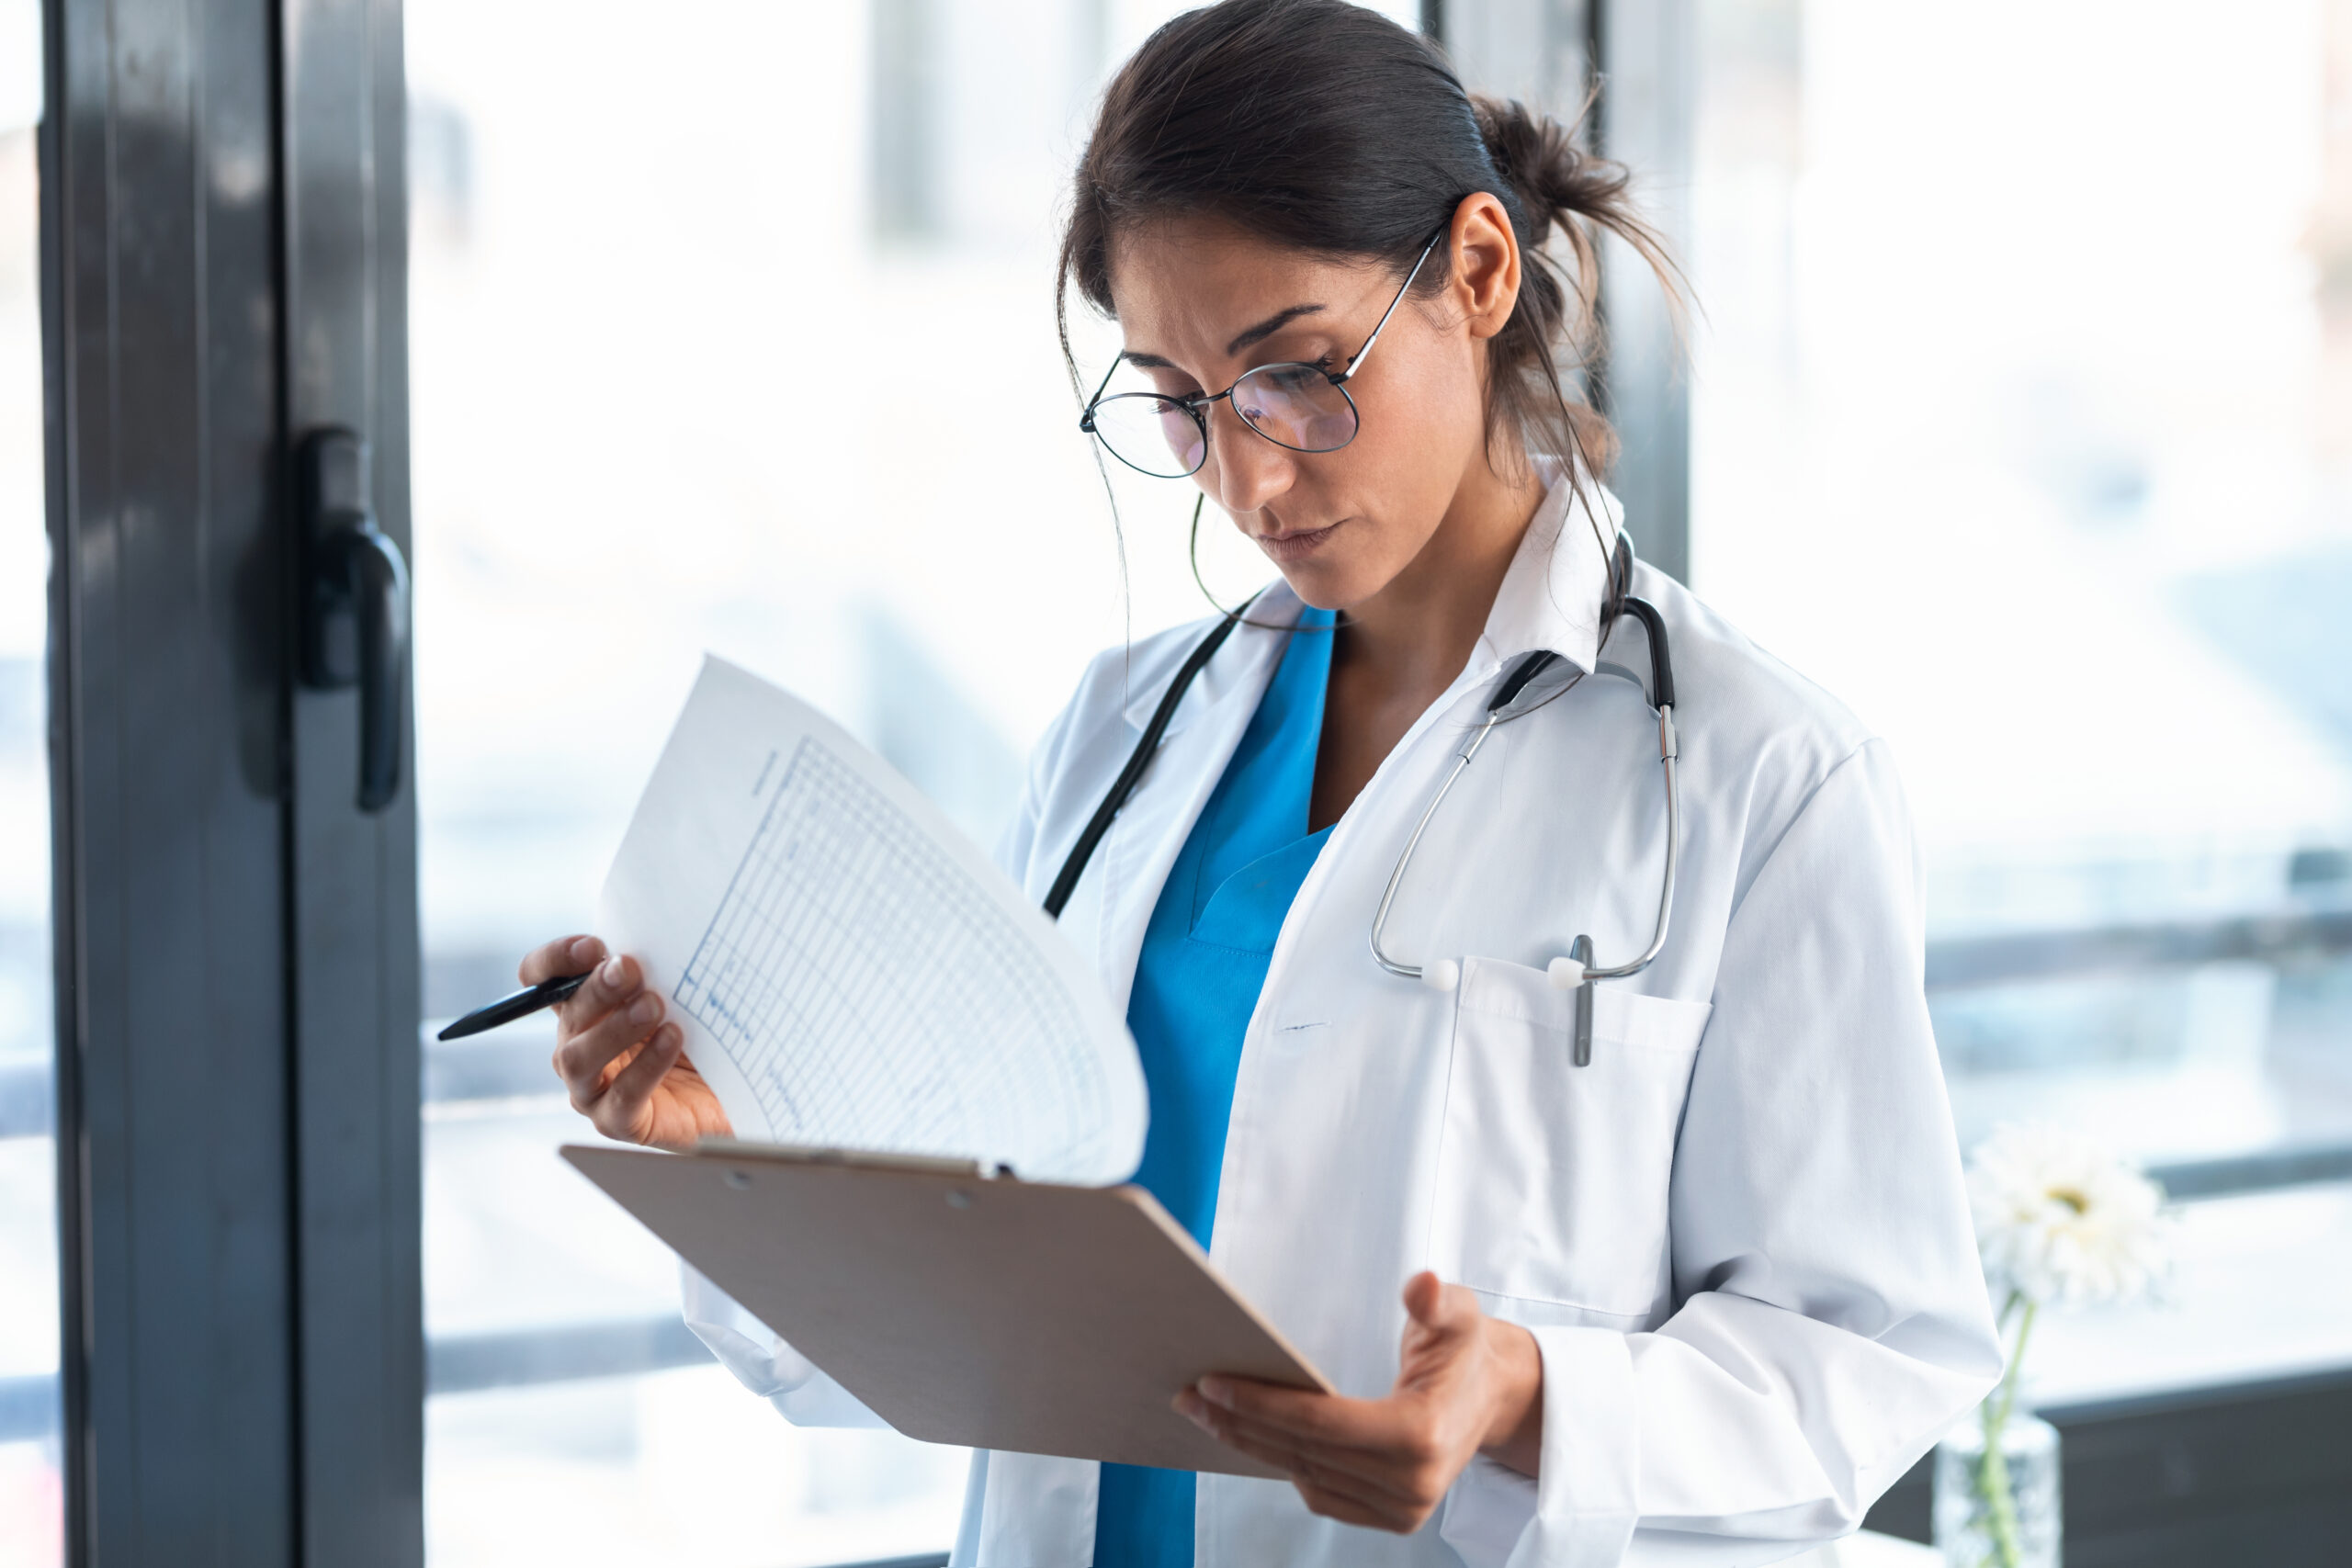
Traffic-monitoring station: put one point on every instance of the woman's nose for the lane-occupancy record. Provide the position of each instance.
(1251, 470)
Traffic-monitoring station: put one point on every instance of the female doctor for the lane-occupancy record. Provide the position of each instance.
(1612, 1262)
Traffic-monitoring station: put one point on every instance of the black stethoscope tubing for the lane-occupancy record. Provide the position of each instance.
(1066, 882)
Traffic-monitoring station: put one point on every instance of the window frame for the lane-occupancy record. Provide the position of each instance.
(222, 270)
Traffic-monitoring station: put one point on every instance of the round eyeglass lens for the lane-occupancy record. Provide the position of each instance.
(1296, 406)
(1159, 435)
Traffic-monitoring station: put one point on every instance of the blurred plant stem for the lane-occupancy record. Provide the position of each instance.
(1993, 1492)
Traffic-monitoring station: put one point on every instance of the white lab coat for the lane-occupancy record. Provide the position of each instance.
(1739, 1235)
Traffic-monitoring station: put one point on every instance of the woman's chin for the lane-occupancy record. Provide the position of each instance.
(1337, 579)
(1321, 584)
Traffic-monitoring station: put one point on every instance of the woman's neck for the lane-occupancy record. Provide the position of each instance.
(1417, 633)
(1396, 652)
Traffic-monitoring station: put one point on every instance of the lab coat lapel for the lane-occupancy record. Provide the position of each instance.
(1143, 843)
(1036, 1509)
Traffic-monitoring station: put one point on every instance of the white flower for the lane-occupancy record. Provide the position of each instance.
(2059, 1218)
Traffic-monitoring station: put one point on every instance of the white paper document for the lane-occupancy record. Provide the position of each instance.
(851, 972)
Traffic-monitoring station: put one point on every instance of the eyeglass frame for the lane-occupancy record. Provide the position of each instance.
(1197, 404)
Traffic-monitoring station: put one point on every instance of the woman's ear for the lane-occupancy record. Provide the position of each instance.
(1486, 264)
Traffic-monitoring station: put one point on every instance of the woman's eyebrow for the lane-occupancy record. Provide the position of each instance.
(1269, 327)
(1248, 335)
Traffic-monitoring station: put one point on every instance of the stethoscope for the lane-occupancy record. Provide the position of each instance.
(1578, 969)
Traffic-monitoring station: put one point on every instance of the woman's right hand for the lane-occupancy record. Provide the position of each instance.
(622, 1063)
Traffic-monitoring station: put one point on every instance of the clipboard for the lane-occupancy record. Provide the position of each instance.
(963, 1309)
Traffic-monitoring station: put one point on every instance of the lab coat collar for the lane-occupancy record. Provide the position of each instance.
(1551, 596)
(1238, 667)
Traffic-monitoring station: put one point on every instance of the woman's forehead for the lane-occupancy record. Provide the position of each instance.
(1190, 284)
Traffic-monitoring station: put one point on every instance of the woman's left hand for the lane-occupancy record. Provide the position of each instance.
(1467, 1384)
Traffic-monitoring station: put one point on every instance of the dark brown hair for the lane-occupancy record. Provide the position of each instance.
(1325, 127)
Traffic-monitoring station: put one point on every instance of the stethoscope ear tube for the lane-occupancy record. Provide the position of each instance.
(1661, 665)
(1527, 668)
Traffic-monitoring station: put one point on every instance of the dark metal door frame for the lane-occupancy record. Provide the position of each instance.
(223, 267)
(352, 952)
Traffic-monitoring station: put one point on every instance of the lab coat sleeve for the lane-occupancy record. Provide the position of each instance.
(1020, 838)
(1017, 844)
(765, 1363)
(1832, 1317)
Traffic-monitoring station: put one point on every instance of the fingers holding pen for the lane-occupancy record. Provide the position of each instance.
(609, 980)
(612, 985)
(610, 1014)
(554, 960)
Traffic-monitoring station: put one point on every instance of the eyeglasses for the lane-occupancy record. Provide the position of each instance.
(1303, 407)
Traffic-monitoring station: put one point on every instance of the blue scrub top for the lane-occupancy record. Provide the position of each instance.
(1203, 961)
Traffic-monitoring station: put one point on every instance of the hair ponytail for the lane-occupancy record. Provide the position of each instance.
(1323, 126)
(1557, 184)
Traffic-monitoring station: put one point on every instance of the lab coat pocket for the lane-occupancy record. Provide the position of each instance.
(1552, 1179)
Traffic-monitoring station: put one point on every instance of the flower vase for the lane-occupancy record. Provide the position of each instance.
(2004, 1513)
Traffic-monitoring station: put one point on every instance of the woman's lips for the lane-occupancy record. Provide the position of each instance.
(1297, 545)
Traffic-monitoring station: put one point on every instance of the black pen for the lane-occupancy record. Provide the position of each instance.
(522, 1004)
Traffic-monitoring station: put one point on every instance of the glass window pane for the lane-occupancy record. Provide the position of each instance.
(31, 1484)
(2021, 424)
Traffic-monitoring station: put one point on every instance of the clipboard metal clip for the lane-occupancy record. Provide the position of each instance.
(867, 1160)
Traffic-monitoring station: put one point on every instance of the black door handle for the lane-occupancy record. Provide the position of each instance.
(354, 603)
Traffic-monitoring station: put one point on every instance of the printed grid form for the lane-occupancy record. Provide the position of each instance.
(875, 998)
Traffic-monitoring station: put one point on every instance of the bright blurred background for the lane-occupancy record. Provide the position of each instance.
(2021, 409)
(2022, 420)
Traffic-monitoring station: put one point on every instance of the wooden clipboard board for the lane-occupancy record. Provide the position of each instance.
(980, 1313)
